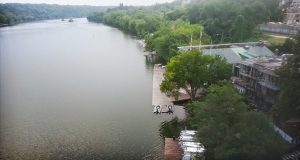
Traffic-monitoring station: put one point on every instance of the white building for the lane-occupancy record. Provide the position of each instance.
(293, 13)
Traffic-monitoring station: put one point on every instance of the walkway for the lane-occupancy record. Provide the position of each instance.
(159, 98)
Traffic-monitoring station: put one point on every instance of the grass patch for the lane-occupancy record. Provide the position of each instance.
(274, 40)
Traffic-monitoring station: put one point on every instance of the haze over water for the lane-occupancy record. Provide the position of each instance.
(75, 91)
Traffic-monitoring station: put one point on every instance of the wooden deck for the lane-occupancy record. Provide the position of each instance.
(159, 98)
(172, 149)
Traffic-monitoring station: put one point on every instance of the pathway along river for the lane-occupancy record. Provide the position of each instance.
(75, 91)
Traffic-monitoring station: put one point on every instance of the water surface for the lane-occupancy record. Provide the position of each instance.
(75, 91)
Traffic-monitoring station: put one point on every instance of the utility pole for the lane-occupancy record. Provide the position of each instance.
(191, 42)
(222, 37)
(200, 41)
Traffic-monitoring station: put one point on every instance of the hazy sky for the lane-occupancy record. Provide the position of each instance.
(90, 2)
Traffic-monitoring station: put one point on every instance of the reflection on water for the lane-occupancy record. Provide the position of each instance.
(171, 128)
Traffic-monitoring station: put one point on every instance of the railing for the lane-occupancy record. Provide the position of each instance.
(218, 45)
(283, 134)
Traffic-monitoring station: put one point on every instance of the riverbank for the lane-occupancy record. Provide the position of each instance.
(16, 13)
(4, 25)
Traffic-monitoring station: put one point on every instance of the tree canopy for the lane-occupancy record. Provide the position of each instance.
(162, 34)
(288, 105)
(234, 19)
(229, 131)
(191, 71)
(170, 36)
(167, 26)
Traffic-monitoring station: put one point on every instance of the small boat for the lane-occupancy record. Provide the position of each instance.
(71, 20)
(62, 19)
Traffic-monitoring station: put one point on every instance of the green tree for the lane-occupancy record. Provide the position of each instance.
(3, 19)
(217, 16)
(178, 13)
(288, 103)
(287, 46)
(191, 71)
(229, 131)
(166, 40)
(95, 17)
(239, 30)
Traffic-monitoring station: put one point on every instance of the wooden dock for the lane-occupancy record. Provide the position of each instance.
(172, 149)
(159, 98)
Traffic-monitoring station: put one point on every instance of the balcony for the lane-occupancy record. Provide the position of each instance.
(269, 86)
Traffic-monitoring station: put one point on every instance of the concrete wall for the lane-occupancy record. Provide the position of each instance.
(279, 28)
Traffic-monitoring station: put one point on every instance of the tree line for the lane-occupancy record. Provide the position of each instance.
(166, 26)
(13, 13)
(161, 34)
(235, 20)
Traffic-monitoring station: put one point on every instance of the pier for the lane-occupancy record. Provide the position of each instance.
(158, 98)
(150, 56)
(172, 149)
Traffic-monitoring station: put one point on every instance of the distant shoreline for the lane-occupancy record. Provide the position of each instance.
(9, 25)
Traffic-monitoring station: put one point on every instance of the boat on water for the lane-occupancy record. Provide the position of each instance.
(62, 19)
(71, 20)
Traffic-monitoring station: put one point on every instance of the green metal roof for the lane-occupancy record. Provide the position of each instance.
(237, 54)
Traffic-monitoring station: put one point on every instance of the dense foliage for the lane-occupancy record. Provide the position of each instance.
(12, 13)
(193, 70)
(135, 22)
(287, 47)
(229, 131)
(288, 105)
(167, 26)
(162, 35)
(172, 35)
(232, 20)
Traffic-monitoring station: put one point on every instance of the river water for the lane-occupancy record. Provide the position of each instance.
(75, 91)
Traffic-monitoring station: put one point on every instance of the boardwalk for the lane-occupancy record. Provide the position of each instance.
(172, 149)
(159, 98)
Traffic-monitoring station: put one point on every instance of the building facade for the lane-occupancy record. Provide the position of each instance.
(258, 81)
(293, 13)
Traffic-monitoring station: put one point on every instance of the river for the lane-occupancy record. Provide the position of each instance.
(75, 91)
